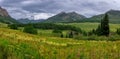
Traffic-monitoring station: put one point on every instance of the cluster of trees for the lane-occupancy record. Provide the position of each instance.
(27, 29)
(30, 29)
(50, 26)
(56, 28)
(70, 34)
(104, 28)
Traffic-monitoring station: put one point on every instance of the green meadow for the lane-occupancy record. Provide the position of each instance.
(90, 26)
(15, 44)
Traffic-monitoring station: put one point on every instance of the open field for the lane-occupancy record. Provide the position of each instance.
(26, 46)
(89, 26)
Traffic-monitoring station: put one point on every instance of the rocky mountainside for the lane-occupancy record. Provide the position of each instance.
(5, 17)
(3, 12)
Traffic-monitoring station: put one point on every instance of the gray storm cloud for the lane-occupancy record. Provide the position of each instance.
(47, 8)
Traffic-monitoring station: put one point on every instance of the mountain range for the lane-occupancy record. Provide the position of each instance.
(114, 16)
(66, 17)
(26, 21)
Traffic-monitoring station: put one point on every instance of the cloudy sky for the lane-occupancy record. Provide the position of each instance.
(42, 9)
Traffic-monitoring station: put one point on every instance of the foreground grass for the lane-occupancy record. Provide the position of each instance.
(26, 46)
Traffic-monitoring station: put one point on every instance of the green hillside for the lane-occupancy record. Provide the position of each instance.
(114, 16)
(8, 20)
(20, 45)
(5, 17)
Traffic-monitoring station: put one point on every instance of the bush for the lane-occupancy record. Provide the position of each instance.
(13, 27)
(30, 29)
(118, 31)
(61, 35)
(57, 31)
(71, 34)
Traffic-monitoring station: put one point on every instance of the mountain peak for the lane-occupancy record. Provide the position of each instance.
(113, 11)
(5, 18)
(66, 17)
(72, 13)
(62, 12)
(3, 12)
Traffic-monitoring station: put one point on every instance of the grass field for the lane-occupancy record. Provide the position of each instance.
(26, 46)
(90, 26)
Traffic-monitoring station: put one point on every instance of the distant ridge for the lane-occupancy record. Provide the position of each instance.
(26, 21)
(66, 17)
(114, 16)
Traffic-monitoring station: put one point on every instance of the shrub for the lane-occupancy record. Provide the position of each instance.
(62, 35)
(57, 31)
(13, 27)
(71, 34)
(118, 31)
(30, 29)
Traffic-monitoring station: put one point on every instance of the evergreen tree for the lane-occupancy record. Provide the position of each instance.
(57, 31)
(62, 35)
(103, 28)
(71, 34)
(118, 31)
(98, 30)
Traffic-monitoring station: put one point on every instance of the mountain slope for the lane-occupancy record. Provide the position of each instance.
(114, 16)
(26, 21)
(5, 17)
(65, 17)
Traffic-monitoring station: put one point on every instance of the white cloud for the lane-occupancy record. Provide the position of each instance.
(42, 16)
(28, 2)
(42, 9)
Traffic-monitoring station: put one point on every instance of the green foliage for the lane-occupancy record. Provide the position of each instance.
(103, 28)
(118, 31)
(61, 35)
(28, 46)
(71, 34)
(13, 27)
(8, 20)
(3, 52)
(30, 29)
(52, 26)
(57, 31)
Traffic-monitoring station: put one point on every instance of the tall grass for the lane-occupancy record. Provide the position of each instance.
(27, 46)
